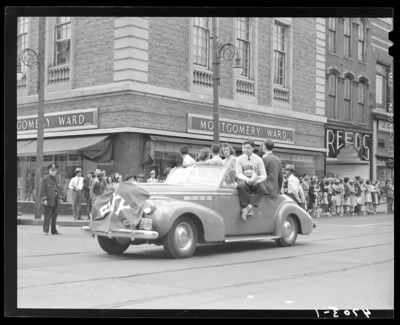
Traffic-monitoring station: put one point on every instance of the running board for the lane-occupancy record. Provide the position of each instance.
(249, 238)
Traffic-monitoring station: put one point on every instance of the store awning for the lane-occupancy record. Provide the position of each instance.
(59, 145)
(23, 143)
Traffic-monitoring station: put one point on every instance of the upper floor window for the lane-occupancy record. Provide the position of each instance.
(201, 42)
(62, 40)
(347, 99)
(347, 37)
(361, 41)
(362, 112)
(382, 86)
(332, 82)
(244, 41)
(332, 35)
(280, 54)
(22, 36)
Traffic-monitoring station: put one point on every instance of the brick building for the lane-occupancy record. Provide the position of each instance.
(382, 108)
(123, 94)
(350, 73)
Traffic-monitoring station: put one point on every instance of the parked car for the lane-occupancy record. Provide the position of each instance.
(200, 204)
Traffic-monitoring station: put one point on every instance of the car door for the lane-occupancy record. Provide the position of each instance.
(230, 210)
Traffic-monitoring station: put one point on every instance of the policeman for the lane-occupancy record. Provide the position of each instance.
(49, 196)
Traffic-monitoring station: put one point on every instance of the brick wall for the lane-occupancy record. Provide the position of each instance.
(304, 53)
(169, 52)
(264, 61)
(34, 45)
(225, 35)
(343, 64)
(94, 51)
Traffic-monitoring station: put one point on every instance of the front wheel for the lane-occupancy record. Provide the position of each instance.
(181, 240)
(111, 245)
(289, 232)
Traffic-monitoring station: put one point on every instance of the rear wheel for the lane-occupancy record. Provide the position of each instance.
(111, 245)
(181, 240)
(289, 232)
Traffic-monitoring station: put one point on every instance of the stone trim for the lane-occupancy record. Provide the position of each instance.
(142, 89)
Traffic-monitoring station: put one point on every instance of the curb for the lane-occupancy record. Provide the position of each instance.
(348, 215)
(36, 222)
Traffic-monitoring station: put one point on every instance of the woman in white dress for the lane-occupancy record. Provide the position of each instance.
(374, 194)
(368, 196)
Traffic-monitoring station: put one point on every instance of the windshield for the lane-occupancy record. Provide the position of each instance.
(195, 175)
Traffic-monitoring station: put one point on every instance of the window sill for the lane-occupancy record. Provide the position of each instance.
(362, 62)
(348, 58)
(349, 122)
(333, 119)
(363, 124)
(333, 53)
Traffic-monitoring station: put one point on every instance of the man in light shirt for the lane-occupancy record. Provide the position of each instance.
(250, 171)
(187, 159)
(294, 189)
(216, 159)
(76, 185)
(152, 178)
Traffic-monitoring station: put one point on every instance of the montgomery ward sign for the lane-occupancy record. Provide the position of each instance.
(63, 121)
(246, 130)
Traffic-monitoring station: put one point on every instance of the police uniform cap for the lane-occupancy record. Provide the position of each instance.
(54, 166)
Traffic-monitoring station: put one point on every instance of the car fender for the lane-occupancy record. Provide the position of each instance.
(167, 211)
(288, 208)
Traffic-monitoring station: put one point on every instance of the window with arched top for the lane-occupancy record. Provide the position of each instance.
(332, 23)
(362, 107)
(347, 99)
(347, 37)
(361, 41)
(332, 86)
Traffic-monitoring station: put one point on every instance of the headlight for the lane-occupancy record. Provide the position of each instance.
(148, 207)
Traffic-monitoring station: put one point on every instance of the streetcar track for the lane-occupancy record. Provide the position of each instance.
(205, 267)
(244, 284)
(307, 241)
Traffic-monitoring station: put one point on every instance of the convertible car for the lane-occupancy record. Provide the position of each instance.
(196, 204)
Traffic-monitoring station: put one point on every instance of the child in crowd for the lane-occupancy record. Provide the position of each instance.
(325, 202)
(374, 194)
(368, 197)
(346, 196)
(362, 186)
(353, 197)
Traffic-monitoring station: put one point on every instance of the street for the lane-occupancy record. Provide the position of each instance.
(346, 262)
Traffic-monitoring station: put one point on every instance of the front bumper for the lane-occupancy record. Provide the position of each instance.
(123, 233)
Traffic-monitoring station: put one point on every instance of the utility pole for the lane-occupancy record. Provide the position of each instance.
(39, 157)
(215, 79)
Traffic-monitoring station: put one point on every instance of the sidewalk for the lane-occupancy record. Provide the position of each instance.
(382, 208)
(68, 221)
(62, 221)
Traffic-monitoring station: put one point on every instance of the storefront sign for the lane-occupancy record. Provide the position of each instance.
(339, 139)
(230, 128)
(63, 121)
(74, 160)
(384, 126)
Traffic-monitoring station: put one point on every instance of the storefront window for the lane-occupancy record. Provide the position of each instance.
(311, 163)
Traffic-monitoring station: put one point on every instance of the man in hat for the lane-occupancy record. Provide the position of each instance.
(152, 178)
(295, 191)
(98, 187)
(87, 183)
(141, 178)
(76, 185)
(49, 196)
(250, 171)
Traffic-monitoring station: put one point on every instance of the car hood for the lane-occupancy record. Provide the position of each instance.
(173, 190)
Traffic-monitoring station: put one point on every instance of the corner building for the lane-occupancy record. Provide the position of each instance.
(123, 94)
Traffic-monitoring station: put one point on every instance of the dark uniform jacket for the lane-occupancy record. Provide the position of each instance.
(50, 190)
(273, 167)
(86, 186)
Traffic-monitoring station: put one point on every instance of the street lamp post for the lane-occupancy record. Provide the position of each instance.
(29, 57)
(228, 51)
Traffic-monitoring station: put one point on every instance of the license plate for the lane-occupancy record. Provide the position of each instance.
(145, 224)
